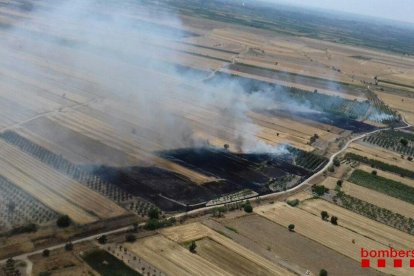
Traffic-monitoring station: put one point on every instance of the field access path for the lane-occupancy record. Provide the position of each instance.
(25, 257)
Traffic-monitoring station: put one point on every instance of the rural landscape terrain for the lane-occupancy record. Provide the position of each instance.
(202, 138)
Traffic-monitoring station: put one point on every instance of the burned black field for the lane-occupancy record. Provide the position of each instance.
(234, 172)
(317, 107)
(326, 118)
(171, 191)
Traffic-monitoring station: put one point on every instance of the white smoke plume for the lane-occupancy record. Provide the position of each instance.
(116, 54)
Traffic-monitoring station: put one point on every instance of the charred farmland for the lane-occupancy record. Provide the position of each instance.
(336, 111)
(325, 118)
(139, 188)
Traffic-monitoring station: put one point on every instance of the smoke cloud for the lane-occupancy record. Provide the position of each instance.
(114, 53)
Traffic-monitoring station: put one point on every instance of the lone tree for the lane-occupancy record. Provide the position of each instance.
(248, 207)
(291, 227)
(334, 220)
(102, 239)
(219, 211)
(226, 146)
(130, 238)
(323, 272)
(154, 213)
(69, 246)
(63, 221)
(339, 182)
(374, 172)
(46, 253)
(324, 215)
(404, 142)
(320, 190)
(336, 162)
(192, 247)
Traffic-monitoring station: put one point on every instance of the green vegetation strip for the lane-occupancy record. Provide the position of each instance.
(107, 265)
(374, 212)
(380, 165)
(383, 185)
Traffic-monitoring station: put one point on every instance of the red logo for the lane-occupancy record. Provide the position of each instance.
(377, 258)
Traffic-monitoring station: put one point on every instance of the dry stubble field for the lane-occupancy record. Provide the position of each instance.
(364, 232)
(216, 254)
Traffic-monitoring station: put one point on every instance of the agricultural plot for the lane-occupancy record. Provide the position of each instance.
(271, 239)
(336, 237)
(8, 117)
(167, 255)
(376, 211)
(293, 132)
(381, 154)
(336, 111)
(82, 174)
(395, 140)
(18, 208)
(138, 188)
(230, 255)
(381, 112)
(378, 199)
(383, 185)
(106, 264)
(401, 103)
(326, 118)
(380, 163)
(317, 83)
(359, 224)
(257, 172)
(396, 177)
(308, 160)
(54, 189)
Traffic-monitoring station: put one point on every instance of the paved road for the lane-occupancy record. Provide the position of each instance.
(124, 229)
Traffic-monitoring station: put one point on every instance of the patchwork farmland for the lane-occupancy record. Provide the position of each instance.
(118, 119)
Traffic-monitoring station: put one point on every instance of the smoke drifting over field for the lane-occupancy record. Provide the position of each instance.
(120, 55)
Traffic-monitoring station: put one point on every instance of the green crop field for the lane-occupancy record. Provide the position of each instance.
(383, 185)
(380, 165)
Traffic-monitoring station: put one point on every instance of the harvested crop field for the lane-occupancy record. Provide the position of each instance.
(218, 254)
(166, 251)
(293, 248)
(20, 208)
(53, 189)
(361, 225)
(335, 237)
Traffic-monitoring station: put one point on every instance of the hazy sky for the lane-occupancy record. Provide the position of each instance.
(401, 10)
